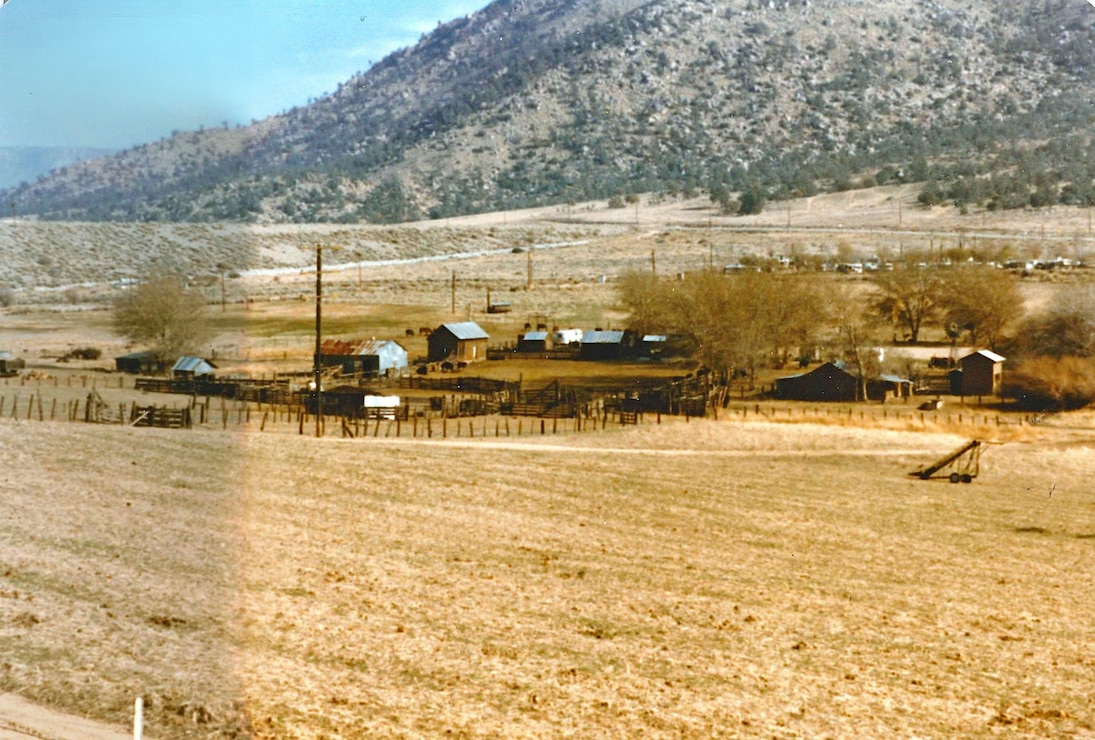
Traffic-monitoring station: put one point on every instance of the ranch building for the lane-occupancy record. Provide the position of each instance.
(982, 373)
(146, 362)
(192, 368)
(885, 387)
(534, 341)
(602, 345)
(827, 382)
(461, 341)
(653, 345)
(373, 357)
(10, 364)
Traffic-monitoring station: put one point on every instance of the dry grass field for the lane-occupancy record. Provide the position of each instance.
(772, 573)
(716, 578)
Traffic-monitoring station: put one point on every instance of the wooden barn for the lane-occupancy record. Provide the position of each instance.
(982, 373)
(192, 368)
(461, 341)
(602, 345)
(10, 364)
(146, 362)
(374, 357)
(827, 382)
(534, 341)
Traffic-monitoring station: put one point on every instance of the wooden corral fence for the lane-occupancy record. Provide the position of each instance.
(264, 391)
(462, 383)
(160, 416)
(507, 352)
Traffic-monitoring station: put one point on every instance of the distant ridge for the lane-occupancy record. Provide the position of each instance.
(533, 102)
(20, 164)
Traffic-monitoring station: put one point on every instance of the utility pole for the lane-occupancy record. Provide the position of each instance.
(528, 281)
(653, 264)
(454, 292)
(319, 340)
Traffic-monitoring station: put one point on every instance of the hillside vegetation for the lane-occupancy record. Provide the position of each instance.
(535, 102)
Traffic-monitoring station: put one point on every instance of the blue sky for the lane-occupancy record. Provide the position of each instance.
(116, 73)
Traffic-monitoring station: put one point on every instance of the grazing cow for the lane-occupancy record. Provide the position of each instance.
(409, 332)
(425, 331)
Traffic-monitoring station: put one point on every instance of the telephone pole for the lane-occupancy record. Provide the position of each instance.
(319, 340)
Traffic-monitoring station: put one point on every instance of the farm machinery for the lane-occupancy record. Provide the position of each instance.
(964, 464)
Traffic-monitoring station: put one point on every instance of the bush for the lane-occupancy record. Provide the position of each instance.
(752, 202)
(1052, 383)
(7, 297)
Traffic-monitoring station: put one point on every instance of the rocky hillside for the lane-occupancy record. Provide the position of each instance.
(544, 101)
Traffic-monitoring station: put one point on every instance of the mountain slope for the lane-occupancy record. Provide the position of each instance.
(538, 101)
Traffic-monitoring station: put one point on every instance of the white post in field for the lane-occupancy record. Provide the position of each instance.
(138, 719)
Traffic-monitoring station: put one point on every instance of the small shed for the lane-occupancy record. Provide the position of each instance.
(602, 345)
(534, 341)
(10, 364)
(826, 382)
(461, 341)
(982, 373)
(889, 386)
(653, 345)
(369, 357)
(192, 368)
(147, 362)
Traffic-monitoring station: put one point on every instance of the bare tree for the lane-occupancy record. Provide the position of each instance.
(857, 333)
(731, 322)
(910, 297)
(645, 301)
(981, 300)
(1065, 329)
(163, 314)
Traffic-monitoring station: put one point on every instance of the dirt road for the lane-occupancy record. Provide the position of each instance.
(20, 720)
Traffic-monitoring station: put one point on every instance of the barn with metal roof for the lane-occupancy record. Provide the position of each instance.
(368, 357)
(460, 341)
